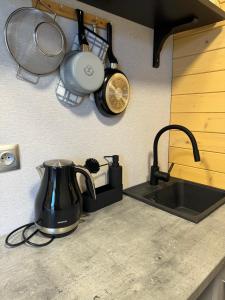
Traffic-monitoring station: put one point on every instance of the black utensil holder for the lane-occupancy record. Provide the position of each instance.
(105, 196)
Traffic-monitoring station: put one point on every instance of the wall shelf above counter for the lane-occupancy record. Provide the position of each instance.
(166, 17)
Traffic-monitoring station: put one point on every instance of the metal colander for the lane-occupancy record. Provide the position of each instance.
(35, 41)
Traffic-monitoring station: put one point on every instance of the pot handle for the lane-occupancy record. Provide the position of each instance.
(89, 180)
(81, 30)
(111, 56)
(27, 76)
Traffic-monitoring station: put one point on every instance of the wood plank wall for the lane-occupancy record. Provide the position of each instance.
(198, 102)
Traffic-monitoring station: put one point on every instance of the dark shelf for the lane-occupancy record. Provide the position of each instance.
(165, 16)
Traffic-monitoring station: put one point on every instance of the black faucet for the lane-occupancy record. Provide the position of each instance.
(156, 174)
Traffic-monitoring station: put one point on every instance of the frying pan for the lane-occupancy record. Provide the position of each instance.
(82, 72)
(113, 96)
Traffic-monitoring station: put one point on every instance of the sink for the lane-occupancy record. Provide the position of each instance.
(188, 200)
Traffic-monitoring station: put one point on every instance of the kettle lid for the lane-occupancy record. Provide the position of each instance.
(58, 163)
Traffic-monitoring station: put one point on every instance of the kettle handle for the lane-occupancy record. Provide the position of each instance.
(89, 180)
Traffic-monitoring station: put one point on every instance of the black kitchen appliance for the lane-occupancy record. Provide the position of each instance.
(59, 202)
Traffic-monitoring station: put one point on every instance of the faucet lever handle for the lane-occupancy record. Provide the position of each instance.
(171, 168)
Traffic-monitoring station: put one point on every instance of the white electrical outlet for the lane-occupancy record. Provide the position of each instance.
(9, 158)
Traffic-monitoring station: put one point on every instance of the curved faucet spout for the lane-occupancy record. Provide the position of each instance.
(156, 175)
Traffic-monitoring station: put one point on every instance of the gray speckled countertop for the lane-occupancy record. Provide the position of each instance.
(128, 251)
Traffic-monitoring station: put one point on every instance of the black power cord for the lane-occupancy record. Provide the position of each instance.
(26, 240)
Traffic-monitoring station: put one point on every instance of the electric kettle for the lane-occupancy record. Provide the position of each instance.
(58, 204)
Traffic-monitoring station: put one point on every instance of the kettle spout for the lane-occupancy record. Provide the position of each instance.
(40, 169)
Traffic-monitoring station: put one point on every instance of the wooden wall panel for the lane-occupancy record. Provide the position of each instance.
(216, 2)
(194, 64)
(204, 122)
(198, 102)
(212, 142)
(208, 40)
(199, 83)
(209, 160)
(210, 102)
(206, 177)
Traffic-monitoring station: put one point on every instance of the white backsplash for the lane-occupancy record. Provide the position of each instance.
(32, 117)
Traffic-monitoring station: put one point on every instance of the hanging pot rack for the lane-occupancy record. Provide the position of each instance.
(68, 12)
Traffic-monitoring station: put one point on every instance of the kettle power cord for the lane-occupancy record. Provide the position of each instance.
(26, 239)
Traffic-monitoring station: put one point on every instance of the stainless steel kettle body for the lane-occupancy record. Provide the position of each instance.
(58, 205)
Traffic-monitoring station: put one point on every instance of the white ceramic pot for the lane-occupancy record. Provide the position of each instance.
(82, 72)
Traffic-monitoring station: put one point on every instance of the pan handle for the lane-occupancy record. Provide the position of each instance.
(81, 30)
(26, 76)
(111, 56)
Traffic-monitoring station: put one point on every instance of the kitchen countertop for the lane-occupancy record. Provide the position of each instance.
(127, 251)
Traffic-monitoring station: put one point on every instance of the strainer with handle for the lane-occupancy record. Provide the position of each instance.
(35, 41)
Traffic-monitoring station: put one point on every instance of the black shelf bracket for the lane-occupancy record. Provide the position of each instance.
(164, 29)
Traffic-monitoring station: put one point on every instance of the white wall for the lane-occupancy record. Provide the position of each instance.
(32, 117)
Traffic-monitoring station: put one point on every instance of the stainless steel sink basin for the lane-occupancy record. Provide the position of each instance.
(185, 199)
